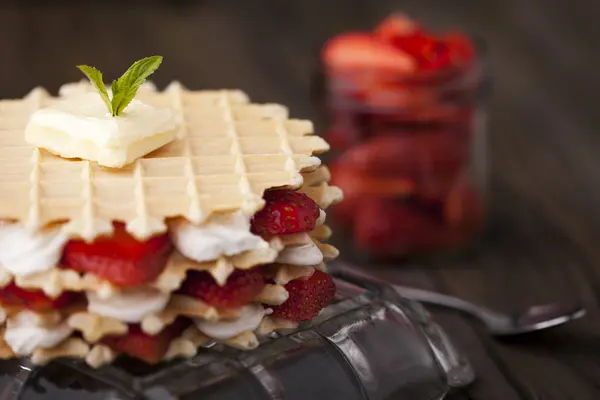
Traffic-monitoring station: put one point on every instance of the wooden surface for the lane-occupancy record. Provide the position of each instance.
(544, 140)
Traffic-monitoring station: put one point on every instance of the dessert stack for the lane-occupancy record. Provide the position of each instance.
(154, 223)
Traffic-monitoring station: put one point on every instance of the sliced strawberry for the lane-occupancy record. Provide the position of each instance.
(241, 288)
(428, 52)
(340, 139)
(401, 99)
(13, 296)
(120, 259)
(285, 212)
(358, 186)
(359, 50)
(462, 49)
(307, 297)
(150, 349)
(390, 227)
(396, 25)
(418, 156)
(360, 182)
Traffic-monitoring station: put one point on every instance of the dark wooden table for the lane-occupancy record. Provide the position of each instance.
(543, 245)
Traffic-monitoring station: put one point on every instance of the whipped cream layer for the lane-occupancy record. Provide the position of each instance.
(128, 306)
(80, 126)
(221, 235)
(24, 334)
(322, 217)
(306, 253)
(248, 320)
(24, 252)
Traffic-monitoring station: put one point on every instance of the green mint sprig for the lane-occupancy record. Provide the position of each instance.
(125, 88)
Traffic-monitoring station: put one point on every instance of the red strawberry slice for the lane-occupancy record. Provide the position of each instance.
(13, 296)
(241, 288)
(120, 259)
(150, 349)
(358, 185)
(396, 25)
(360, 182)
(307, 297)
(359, 50)
(462, 50)
(393, 228)
(340, 139)
(428, 52)
(285, 212)
(418, 157)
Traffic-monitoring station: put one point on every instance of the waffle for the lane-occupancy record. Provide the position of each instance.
(55, 281)
(93, 327)
(228, 151)
(186, 345)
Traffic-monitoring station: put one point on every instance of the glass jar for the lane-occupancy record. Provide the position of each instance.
(409, 154)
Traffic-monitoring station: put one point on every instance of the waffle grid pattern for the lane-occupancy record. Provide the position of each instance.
(228, 151)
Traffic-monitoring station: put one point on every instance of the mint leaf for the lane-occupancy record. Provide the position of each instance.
(126, 87)
(117, 97)
(95, 78)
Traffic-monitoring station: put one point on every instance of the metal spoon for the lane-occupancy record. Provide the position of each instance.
(532, 319)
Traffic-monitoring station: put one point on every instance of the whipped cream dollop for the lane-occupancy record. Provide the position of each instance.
(248, 320)
(80, 126)
(322, 216)
(23, 333)
(128, 306)
(24, 252)
(304, 254)
(221, 234)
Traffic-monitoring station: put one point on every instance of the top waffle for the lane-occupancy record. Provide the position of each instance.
(228, 151)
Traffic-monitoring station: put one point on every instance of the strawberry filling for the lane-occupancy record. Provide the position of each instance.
(285, 212)
(35, 300)
(394, 226)
(120, 258)
(241, 288)
(150, 349)
(399, 66)
(307, 297)
(398, 45)
(125, 261)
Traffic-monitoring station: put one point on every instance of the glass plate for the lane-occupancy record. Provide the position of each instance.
(369, 344)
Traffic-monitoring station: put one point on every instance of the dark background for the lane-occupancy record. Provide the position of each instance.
(544, 144)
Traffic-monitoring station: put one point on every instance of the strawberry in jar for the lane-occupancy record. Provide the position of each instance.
(403, 107)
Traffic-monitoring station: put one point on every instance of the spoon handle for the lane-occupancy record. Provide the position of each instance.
(423, 296)
(439, 299)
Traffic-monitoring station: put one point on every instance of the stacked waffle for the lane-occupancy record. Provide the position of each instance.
(216, 236)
